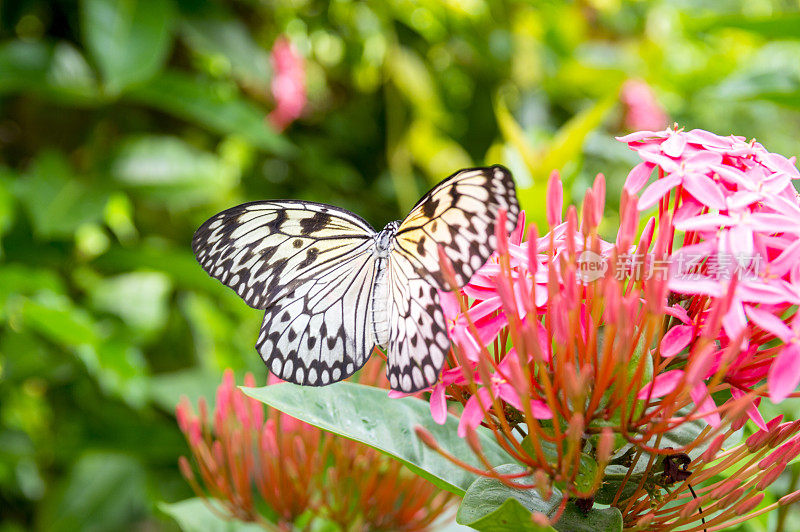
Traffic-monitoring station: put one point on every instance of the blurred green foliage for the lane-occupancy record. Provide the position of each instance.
(126, 123)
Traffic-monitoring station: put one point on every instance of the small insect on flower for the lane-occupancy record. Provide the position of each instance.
(333, 288)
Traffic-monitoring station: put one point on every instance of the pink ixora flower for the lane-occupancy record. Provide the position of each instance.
(571, 348)
(288, 84)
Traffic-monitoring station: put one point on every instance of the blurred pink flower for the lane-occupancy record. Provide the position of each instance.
(642, 109)
(288, 84)
(247, 460)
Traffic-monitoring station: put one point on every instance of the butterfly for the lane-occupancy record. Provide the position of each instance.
(333, 288)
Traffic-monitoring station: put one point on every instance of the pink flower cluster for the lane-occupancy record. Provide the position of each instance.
(288, 84)
(247, 460)
(737, 209)
(548, 354)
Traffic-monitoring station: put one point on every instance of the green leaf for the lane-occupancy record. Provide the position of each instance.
(104, 491)
(219, 107)
(410, 75)
(565, 147)
(129, 39)
(194, 515)
(57, 202)
(119, 368)
(59, 72)
(366, 414)
(170, 170)
(227, 45)
(139, 298)
(595, 520)
(18, 279)
(57, 319)
(779, 26)
(489, 505)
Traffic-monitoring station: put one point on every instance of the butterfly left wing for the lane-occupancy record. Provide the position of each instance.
(311, 267)
(458, 214)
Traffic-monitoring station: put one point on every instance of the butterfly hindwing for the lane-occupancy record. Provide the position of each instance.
(320, 332)
(418, 342)
(458, 214)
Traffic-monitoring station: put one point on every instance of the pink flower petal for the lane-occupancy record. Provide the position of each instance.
(449, 303)
(540, 410)
(705, 404)
(705, 222)
(662, 385)
(704, 190)
(676, 340)
(637, 178)
(674, 145)
(752, 410)
(769, 322)
(784, 374)
(656, 191)
(438, 404)
(471, 417)
(640, 135)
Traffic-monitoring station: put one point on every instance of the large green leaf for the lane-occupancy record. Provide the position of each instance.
(56, 200)
(367, 414)
(227, 44)
(492, 506)
(58, 71)
(194, 515)
(172, 171)
(219, 107)
(129, 39)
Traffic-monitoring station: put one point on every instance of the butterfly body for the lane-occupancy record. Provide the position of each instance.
(332, 287)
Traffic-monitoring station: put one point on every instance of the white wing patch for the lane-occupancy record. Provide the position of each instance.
(265, 249)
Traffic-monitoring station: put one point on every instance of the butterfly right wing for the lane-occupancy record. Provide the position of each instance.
(311, 268)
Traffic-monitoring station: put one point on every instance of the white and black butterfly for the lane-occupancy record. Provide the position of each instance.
(333, 288)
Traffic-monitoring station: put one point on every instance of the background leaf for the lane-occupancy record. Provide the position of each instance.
(129, 39)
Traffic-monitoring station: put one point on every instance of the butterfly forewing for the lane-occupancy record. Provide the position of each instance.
(265, 249)
(458, 214)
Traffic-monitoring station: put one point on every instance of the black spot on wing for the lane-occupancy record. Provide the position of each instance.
(316, 222)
